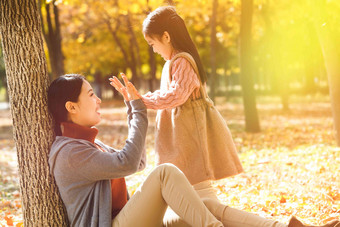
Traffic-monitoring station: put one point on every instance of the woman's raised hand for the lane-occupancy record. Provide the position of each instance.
(128, 91)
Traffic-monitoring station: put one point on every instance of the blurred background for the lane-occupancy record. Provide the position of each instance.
(280, 58)
(100, 38)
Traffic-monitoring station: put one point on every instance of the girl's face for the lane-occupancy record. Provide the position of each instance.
(85, 112)
(161, 46)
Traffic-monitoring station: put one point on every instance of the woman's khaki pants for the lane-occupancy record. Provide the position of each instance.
(165, 186)
(230, 217)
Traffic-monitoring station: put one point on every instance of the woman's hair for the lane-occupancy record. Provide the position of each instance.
(165, 18)
(63, 89)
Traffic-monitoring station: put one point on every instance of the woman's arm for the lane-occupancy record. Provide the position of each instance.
(184, 82)
(95, 165)
(142, 163)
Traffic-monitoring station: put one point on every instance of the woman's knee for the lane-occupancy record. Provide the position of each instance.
(167, 169)
(167, 166)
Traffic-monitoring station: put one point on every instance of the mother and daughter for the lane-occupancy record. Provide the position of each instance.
(91, 175)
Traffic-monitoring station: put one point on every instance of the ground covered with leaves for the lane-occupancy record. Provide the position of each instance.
(292, 167)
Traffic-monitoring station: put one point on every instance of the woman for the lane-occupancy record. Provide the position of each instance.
(90, 175)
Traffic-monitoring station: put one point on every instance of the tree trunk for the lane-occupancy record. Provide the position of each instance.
(332, 58)
(136, 66)
(312, 59)
(133, 63)
(130, 60)
(274, 68)
(152, 60)
(53, 39)
(27, 86)
(98, 83)
(153, 68)
(135, 44)
(247, 81)
(213, 42)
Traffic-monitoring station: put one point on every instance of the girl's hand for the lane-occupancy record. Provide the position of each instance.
(128, 91)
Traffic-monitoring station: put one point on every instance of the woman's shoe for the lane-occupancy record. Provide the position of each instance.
(294, 222)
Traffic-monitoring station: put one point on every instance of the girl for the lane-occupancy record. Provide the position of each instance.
(90, 175)
(190, 132)
(182, 95)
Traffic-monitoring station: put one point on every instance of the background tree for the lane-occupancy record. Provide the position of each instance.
(27, 86)
(285, 55)
(152, 59)
(247, 82)
(328, 38)
(3, 81)
(213, 42)
(49, 14)
(270, 66)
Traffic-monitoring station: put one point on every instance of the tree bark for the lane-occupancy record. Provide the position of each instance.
(213, 42)
(27, 77)
(247, 81)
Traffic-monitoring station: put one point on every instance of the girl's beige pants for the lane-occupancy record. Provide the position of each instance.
(165, 186)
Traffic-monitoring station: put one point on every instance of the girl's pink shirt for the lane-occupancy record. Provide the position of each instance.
(183, 84)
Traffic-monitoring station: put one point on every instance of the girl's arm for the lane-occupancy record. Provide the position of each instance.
(184, 82)
(95, 165)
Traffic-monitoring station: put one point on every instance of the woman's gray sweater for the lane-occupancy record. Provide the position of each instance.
(83, 172)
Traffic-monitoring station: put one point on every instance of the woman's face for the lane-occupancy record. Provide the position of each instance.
(86, 110)
(161, 46)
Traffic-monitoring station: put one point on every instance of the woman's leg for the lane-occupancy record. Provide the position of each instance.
(230, 217)
(204, 190)
(166, 185)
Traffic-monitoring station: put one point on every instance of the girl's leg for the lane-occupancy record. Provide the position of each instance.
(230, 216)
(205, 190)
(166, 185)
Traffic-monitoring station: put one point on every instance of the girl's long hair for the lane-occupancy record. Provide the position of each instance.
(63, 89)
(165, 18)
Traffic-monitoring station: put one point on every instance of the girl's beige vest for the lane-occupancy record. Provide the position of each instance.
(194, 136)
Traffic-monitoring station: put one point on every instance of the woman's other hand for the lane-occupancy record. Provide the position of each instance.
(128, 91)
